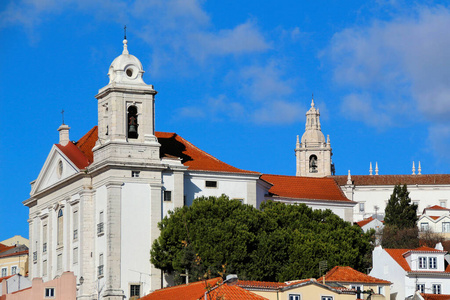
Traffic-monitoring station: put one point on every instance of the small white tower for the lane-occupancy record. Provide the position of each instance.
(313, 153)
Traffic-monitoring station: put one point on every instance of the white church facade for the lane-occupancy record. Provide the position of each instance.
(96, 203)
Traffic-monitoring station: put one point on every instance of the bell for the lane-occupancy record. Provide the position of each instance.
(132, 128)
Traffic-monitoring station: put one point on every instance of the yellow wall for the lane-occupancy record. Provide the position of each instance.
(307, 292)
(21, 261)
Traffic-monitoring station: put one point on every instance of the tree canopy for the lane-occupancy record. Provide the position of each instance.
(400, 221)
(277, 243)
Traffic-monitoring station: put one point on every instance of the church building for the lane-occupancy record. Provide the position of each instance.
(96, 203)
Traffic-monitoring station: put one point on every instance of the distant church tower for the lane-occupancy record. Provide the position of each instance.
(313, 153)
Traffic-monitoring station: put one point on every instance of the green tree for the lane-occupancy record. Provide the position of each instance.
(399, 210)
(277, 243)
(400, 221)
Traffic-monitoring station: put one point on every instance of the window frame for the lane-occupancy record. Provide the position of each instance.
(4, 271)
(49, 292)
(432, 262)
(294, 297)
(133, 289)
(211, 184)
(14, 270)
(423, 262)
(445, 226)
(169, 197)
(420, 287)
(423, 225)
(436, 287)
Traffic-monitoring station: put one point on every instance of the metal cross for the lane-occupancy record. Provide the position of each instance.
(125, 32)
(62, 113)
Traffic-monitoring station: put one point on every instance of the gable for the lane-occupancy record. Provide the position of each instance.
(57, 168)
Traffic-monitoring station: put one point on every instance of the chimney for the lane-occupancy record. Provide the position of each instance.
(64, 134)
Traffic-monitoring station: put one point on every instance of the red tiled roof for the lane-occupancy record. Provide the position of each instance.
(394, 179)
(434, 217)
(74, 154)
(348, 274)
(231, 292)
(260, 284)
(14, 253)
(6, 277)
(435, 297)
(191, 291)
(365, 222)
(4, 248)
(172, 145)
(436, 207)
(399, 255)
(305, 187)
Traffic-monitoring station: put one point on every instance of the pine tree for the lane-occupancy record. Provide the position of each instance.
(399, 210)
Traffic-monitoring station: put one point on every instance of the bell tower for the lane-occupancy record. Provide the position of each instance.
(313, 153)
(126, 114)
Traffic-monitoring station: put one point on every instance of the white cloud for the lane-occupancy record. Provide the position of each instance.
(359, 107)
(214, 108)
(439, 139)
(278, 112)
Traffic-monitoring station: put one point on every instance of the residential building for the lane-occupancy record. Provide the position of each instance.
(13, 260)
(355, 280)
(370, 223)
(12, 284)
(435, 219)
(16, 240)
(424, 269)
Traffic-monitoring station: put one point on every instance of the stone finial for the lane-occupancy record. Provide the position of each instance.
(419, 169)
(297, 145)
(376, 168)
(370, 169)
(328, 139)
(64, 134)
(125, 47)
(349, 178)
(413, 169)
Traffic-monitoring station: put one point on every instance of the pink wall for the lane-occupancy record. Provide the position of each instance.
(65, 289)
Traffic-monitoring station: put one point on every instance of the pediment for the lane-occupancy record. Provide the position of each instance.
(57, 168)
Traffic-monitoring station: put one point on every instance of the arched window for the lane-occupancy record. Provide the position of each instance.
(132, 122)
(60, 227)
(313, 164)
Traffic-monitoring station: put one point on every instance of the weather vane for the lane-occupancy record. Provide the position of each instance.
(125, 32)
(62, 113)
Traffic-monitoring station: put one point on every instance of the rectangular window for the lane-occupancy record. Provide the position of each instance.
(327, 298)
(59, 262)
(422, 262)
(294, 297)
(432, 262)
(100, 265)
(361, 207)
(380, 290)
(13, 270)
(44, 268)
(100, 227)
(75, 225)
(436, 288)
(446, 227)
(4, 272)
(49, 292)
(34, 256)
(167, 195)
(210, 184)
(44, 238)
(443, 203)
(135, 173)
(424, 227)
(135, 290)
(75, 255)
(421, 287)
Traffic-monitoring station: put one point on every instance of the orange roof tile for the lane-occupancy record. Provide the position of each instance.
(172, 145)
(399, 255)
(365, 221)
(394, 179)
(435, 297)
(74, 154)
(436, 207)
(231, 292)
(348, 274)
(305, 187)
(191, 291)
(260, 284)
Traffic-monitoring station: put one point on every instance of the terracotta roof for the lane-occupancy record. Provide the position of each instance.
(6, 277)
(191, 291)
(365, 222)
(435, 297)
(260, 284)
(4, 248)
(434, 217)
(305, 188)
(394, 179)
(172, 146)
(436, 207)
(74, 154)
(231, 292)
(399, 255)
(14, 253)
(348, 274)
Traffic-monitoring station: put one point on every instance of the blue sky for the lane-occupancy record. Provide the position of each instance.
(235, 78)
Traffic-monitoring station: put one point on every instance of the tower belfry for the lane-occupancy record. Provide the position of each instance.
(312, 152)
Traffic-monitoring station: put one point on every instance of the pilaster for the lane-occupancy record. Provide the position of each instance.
(178, 191)
(86, 237)
(155, 218)
(113, 289)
